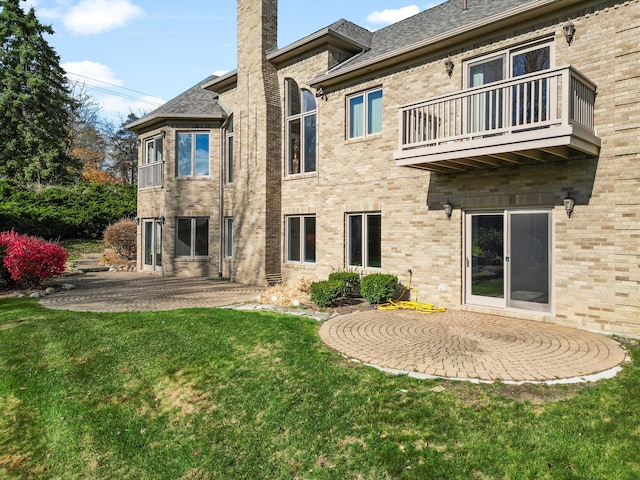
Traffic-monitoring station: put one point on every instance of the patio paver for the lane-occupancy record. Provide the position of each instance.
(466, 345)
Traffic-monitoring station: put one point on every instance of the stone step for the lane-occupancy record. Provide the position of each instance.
(84, 261)
(92, 256)
(93, 268)
(89, 262)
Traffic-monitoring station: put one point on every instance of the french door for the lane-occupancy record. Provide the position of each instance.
(152, 244)
(508, 259)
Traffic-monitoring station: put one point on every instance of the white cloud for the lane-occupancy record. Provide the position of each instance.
(91, 74)
(389, 16)
(90, 17)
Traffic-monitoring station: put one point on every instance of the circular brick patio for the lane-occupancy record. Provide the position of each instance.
(469, 345)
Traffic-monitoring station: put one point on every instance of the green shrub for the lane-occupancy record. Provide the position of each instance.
(122, 237)
(326, 293)
(82, 210)
(351, 282)
(378, 287)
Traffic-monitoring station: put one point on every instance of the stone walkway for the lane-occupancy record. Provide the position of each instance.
(135, 292)
(452, 344)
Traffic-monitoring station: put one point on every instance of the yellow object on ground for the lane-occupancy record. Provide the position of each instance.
(398, 304)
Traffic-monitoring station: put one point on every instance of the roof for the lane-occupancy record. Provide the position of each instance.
(342, 33)
(438, 27)
(434, 22)
(194, 104)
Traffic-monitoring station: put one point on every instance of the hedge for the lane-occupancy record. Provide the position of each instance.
(326, 293)
(378, 287)
(82, 210)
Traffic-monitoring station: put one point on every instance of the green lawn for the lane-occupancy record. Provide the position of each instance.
(222, 394)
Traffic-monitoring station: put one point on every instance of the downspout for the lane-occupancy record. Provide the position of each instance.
(221, 202)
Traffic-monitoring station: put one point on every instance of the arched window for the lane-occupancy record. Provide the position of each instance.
(301, 129)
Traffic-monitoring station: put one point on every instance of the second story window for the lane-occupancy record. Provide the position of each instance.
(153, 150)
(301, 113)
(193, 154)
(364, 115)
(228, 151)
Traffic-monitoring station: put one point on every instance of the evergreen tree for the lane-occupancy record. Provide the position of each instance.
(36, 105)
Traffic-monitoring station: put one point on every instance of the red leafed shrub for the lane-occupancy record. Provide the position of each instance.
(5, 239)
(30, 260)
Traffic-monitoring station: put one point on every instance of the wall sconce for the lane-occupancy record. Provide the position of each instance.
(448, 209)
(569, 203)
(320, 93)
(448, 65)
(569, 30)
(163, 132)
(160, 219)
(137, 220)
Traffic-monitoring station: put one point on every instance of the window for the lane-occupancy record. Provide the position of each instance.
(228, 151)
(301, 239)
(365, 114)
(228, 237)
(153, 150)
(526, 103)
(192, 237)
(301, 129)
(193, 154)
(364, 239)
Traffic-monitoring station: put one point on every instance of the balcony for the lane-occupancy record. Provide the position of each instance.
(536, 118)
(150, 175)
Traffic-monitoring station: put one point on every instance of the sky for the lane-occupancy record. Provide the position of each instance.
(134, 55)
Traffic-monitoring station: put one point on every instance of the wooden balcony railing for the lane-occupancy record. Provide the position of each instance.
(560, 97)
(150, 175)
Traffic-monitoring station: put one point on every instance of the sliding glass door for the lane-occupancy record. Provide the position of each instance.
(508, 259)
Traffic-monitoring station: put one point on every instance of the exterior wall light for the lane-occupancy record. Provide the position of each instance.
(137, 220)
(569, 30)
(160, 219)
(448, 209)
(448, 65)
(569, 203)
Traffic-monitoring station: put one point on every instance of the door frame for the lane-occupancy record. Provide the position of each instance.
(156, 236)
(506, 302)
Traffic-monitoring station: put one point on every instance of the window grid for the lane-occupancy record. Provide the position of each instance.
(301, 130)
(228, 237)
(228, 153)
(192, 237)
(364, 114)
(364, 240)
(153, 150)
(301, 239)
(192, 154)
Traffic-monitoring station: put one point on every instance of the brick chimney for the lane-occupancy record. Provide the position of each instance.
(259, 116)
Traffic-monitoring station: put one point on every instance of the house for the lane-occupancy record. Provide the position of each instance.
(485, 150)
